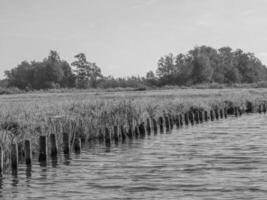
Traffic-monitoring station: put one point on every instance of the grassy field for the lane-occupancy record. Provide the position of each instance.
(27, 116)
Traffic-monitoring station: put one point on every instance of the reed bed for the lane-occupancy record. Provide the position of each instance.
(87, 114)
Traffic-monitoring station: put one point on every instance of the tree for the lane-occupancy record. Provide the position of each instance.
(95, 74)
(21, 76)
(87, 73)
(202, 70)
(50, 73)
(151, 79)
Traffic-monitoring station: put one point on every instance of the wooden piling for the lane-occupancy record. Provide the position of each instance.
(236, 111)
(28, 152)
(107, 136)
(142, 130)
(221, 113)
(130, 132)
(191, 118)
(155, 126)
(116, 134)
(177, 121)
(123, 134)
(201, 118)
(225, 113)
(53, 145)
(196, 117)
(148, 127)
(161, 124)
(264, 108)
(136, 131)
(170, 121)
(77, 145)
(249, 107)
(1, 160)
(216, 111)
(167, 123)
(211, 115)
(240, 111)
(206, 116)
(174, 120)
(14, 156)
(259, 109)
(100, 136)
(181, 120)
(186, 119)
(42, 148)
(66, 143)
(20, 151)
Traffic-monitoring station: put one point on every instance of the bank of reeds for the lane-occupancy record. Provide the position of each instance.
(87, 115)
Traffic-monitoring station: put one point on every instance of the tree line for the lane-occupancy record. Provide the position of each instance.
(206, 64)
(198, 66)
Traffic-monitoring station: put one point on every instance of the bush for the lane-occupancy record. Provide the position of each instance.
(12, 90)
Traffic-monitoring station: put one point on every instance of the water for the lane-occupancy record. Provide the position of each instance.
(225, 159)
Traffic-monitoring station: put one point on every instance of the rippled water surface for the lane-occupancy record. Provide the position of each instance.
(226, 159)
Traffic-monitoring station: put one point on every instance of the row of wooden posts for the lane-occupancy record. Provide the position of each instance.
(166, 122)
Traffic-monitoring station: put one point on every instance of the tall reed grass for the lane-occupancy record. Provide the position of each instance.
(27, 116)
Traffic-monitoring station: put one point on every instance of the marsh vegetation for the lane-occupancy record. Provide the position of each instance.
(27, 116)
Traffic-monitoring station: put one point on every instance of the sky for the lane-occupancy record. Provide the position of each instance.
(127, 37)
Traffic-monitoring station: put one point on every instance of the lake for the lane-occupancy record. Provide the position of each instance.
(225, 159)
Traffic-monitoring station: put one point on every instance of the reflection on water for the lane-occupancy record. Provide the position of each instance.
(218, 160)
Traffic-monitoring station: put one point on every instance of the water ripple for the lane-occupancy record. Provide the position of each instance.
(218, 160)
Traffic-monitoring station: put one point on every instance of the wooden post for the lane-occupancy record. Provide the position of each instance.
(1, 160)
(167, 123)
(148, 128)
(181, 120)
(101, 136)
(42, 148)
(200, 113)
(191, 117)
(161, 124)
(155, 126)
(206, 115)
(211, 115)
(142, 130)
(107, 136)
(116, 134)
(136, 131)
(177, 121)
(259, 109)
(196, 117)
(236, 111)
(264, 107)
(221, 113)
(173, 120)
(186, 120)
(66, 143)
(77, 145)
(20, 151)
(123, 135)
(53, 145)
(170, 121)
(28, 152)
(130, 132)
(240, 111)
(225, 113)
(216, 114)
(14, 157)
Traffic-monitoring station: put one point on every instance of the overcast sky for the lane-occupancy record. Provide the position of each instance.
(127, 37)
